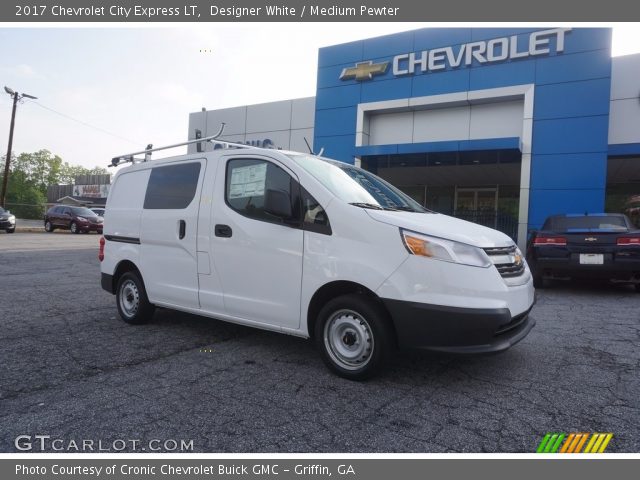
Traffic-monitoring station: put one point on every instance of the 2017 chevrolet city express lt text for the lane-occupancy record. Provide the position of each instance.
(311, 247)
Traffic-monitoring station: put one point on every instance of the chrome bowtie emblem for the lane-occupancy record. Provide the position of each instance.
(364, 71)
(591, 239)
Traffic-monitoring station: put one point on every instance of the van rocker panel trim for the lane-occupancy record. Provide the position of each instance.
(456, 330)
(106, 282)
(121, 239)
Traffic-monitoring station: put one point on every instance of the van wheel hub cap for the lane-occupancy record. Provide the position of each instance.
(129, 298)
(348, 339)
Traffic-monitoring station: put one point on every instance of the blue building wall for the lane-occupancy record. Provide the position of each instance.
(571, 109)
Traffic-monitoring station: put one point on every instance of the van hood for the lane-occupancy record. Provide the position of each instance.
(443, 226)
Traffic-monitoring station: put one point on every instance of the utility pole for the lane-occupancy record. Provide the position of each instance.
(16, 96)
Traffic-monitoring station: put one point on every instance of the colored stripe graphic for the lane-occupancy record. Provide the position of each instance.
(580, 443)
(606, 441)
(573, 443)
(543, 443)
(592, 440)
(550, 443)
(556, 445)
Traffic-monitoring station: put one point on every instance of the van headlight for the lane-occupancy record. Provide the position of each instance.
(443, 249)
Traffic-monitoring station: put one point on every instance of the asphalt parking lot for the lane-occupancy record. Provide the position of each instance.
(69, 368)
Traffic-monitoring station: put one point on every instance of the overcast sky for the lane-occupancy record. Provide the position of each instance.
(140, 84)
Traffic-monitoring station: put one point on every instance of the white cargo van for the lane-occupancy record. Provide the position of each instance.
(308, 246)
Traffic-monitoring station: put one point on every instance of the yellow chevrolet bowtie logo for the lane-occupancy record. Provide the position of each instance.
(364, 71)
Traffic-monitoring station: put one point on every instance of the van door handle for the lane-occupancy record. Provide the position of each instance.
(182, 229)
(223, 231)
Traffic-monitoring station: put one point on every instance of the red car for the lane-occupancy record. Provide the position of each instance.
(76, 219)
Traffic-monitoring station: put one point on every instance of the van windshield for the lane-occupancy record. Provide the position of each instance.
(357, 186)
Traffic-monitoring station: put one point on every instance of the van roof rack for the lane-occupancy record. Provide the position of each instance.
(130, 157)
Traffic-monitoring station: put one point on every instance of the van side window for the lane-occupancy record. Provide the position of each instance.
(314, 218)
(172, 186)
(250, 180)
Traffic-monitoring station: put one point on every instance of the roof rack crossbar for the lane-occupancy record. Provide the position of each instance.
(130, 157)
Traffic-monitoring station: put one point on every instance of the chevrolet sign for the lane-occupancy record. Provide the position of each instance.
(483, 51)
(364, 71)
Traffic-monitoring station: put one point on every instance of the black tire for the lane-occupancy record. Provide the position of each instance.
(132, 301)
(74, 227)
(637, 285)
(354, 336)
(11, 230)
(48, 227)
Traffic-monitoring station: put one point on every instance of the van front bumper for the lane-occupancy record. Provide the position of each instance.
(455, 329)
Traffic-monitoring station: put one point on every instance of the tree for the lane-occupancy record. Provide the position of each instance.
(68, 173)
(24, 198)
(42, 168)
(30, 175)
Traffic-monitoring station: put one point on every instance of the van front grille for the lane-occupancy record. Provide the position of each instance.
(507, 260)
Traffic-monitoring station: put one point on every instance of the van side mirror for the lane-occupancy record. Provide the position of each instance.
(277, 203)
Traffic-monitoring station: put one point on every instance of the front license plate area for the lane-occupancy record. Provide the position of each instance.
(591, 259)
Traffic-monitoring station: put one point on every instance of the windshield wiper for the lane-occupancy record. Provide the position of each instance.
(366, 205)
(404, 208)
(373, 206)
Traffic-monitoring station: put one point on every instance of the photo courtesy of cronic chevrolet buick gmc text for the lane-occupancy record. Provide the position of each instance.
(312, 247)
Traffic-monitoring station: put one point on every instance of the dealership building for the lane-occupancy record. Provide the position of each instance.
(503, 127)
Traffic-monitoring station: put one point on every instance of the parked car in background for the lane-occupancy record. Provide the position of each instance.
(604, 246)
(7, 221)
(98, 211)
(76, 219)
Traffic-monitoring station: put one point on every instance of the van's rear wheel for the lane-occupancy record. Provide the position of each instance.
(132, 301)
(353, 336)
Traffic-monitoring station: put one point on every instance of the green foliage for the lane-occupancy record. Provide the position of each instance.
(40, 168)
(24, 198)
(30, 175)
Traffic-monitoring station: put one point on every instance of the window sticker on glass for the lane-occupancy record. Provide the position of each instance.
(248, 181)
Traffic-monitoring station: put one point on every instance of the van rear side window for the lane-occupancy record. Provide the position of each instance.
(172, 186)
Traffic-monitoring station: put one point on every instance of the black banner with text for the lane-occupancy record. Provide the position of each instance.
(315, 11)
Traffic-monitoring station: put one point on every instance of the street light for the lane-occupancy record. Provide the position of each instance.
(16, 96)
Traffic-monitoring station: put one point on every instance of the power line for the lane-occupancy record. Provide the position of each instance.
(85, 123)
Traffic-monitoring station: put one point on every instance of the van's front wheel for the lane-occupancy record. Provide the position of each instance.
(353, 336)
(132, 301)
